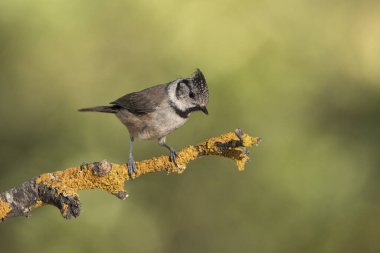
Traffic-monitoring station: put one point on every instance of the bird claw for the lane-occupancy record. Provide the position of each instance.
(173, 155)
(131, 166)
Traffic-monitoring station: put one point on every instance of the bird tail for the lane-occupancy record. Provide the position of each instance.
(106, 109)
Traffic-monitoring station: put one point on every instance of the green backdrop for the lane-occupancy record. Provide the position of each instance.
(303, 75)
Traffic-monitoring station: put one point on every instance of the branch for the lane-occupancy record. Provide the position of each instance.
(61, 188)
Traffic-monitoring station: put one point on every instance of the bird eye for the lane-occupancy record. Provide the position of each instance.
(191, 95)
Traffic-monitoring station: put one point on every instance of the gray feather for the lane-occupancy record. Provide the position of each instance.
(107, 109)
(143, 102)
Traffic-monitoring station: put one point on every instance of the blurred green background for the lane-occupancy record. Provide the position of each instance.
(303, 75)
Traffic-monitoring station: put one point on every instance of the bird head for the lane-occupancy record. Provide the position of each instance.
(192, 93)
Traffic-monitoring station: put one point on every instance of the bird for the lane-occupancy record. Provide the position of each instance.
(157, 111)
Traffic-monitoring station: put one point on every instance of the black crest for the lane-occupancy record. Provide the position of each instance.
(200, 81)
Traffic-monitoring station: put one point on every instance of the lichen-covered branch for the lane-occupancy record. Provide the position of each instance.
(61, 188)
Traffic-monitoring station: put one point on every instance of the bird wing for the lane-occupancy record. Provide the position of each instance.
(143, 102)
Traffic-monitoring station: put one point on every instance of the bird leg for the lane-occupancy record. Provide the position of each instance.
(131, 162)
(173, 154)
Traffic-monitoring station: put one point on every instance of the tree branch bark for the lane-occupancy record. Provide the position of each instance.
(61, 188)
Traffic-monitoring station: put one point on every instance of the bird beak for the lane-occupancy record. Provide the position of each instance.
(203, 109)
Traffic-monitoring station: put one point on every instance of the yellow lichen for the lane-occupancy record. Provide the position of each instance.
(38, 204)
(69, 181)
(5, 208)
(111, 177)
(65, 210)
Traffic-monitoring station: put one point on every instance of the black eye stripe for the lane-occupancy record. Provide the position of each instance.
(187, 83)
(177, 90)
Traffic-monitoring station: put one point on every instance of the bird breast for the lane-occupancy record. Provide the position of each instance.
(152, 125)
(164, 121)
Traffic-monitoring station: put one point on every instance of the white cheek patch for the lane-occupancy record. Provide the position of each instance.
(173, 98)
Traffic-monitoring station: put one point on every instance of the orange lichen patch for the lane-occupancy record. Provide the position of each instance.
(163, 163)
(69, 181)
(38, 204)
(211, 146)
(5, 208)
(112, 178)
(65, 210)
(188, 154)
(240, 163)
(234, 150)
(234, 147)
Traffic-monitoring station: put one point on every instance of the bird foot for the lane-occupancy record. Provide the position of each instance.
(173, 155)
(131, 166)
